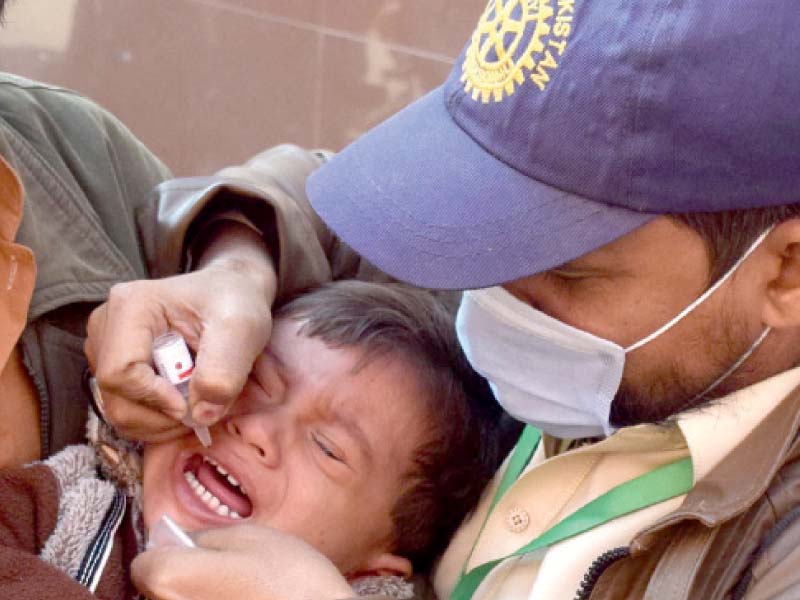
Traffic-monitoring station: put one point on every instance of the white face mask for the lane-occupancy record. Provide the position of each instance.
(554, 376)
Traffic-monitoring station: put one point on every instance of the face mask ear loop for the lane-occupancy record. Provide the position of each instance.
(735, 365)
(702, 298)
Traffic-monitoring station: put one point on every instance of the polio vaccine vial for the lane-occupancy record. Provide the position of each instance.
(174, 363)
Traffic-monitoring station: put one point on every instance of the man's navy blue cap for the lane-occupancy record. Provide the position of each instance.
(566, 124)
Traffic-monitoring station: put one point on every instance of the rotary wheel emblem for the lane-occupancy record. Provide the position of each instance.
(508, 37)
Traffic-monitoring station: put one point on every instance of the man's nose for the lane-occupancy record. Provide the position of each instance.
(260, 434)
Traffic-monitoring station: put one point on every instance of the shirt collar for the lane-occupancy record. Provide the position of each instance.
(714, 431)
(711, 433)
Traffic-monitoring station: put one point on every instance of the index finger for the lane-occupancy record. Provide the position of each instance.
(95, 330)
(224, 359)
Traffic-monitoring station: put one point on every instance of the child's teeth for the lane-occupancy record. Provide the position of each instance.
(208, 498)
(220, 469)
(233, 480)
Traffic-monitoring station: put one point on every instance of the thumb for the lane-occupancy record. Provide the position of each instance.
(225, 355)
(238, 538)
(160, 573)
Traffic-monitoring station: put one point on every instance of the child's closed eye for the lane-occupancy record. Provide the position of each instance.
(327, 448)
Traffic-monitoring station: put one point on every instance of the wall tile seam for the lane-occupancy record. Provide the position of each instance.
(327, 31)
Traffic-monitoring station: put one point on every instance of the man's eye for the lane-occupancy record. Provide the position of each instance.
(568, 275)
(326, 449)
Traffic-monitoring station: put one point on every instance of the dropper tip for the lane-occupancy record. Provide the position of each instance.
(204, 435)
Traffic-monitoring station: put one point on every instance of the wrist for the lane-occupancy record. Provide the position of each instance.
(234, 247)
(256, 270)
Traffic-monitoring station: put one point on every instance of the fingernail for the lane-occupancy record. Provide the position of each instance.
(207, 414)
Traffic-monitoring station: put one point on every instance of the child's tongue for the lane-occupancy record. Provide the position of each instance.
(219, 486)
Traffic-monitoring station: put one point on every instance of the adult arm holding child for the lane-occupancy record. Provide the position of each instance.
(222, 307)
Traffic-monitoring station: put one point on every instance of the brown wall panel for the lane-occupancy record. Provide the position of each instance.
(207, 83)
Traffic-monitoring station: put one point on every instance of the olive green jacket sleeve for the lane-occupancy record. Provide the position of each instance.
(269, 191)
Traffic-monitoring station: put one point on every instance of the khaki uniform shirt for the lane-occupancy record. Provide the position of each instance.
(553, 487)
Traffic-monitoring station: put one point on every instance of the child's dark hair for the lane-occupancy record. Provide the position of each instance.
(467, 435)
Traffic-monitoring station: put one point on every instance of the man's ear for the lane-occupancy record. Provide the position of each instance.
(782, 300)
(384, 563)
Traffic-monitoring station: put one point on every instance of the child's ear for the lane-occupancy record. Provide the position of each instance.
(384, 563)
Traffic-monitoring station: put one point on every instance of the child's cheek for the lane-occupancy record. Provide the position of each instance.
(159, 460)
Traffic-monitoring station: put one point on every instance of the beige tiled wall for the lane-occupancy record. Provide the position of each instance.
(206, 83)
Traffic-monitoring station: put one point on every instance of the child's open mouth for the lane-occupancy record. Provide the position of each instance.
(216, 488)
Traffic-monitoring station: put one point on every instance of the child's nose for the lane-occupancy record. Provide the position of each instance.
(258, 436)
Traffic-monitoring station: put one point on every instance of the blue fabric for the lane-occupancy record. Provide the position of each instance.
(624, 111)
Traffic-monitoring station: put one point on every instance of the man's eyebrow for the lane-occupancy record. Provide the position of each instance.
(582, 265)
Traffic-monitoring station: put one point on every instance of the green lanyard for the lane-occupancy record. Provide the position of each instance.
(651, 488)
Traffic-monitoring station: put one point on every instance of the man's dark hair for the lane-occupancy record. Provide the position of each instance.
(728, 234)
(466, 434)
